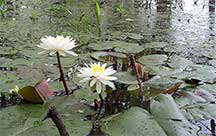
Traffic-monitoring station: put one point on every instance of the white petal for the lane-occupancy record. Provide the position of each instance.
(85, 79)
(106, 82)
(104, 65)
(42, 46)
(109, 71)
(98, 87)
(52, 52)
(71, 52)
(86, 72)
(70, 45)
(58, 43)
(93, 81)
(109, 77)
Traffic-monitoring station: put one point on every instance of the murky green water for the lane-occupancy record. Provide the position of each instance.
(183, 25)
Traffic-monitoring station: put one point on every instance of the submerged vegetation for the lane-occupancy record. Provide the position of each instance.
(144, 68)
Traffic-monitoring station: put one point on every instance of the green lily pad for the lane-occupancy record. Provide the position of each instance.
(134, 36)
(209, 53)
(101, 46)
(196, 110)
(163, 71)
(86, 93)
(154, 45)
(23, 120)
(125, 47)
(169, 116)
(156, 85)
(208, 87)
(212, 63)
(205, 76)
(126, 77)
(152, 60)
(201, 73)
(9, 80)
(132, 122)
(179, 62)
(110, 57)
(118, 46)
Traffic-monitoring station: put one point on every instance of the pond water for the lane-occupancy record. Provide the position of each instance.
(182, 27)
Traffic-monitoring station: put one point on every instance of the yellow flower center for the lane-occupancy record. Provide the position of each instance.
(97, 69)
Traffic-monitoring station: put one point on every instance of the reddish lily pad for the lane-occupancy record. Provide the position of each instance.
(36, 94)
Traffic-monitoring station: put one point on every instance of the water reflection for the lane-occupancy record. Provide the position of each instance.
(163, 17)
(186, 22)
(191, 21)
(211, 19)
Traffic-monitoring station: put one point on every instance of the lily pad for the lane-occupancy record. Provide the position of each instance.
(208, 87)
(118, 46)
(205, 76)
(132, 122)
(23, 120)
(157, 85)
(110, 57)
(196, 109)
(179, 62)
(128, 48)
(212, 63)
(134, 36)
(163, 71)
(101, 46)
(152, 60)
(202, 73)
(37, 94)
(168, 115)
(154, 45)
(126, 77)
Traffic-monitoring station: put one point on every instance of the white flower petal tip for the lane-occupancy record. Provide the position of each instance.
(59, 43)
(98, 74)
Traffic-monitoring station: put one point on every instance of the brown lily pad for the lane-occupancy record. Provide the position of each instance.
(36, 94)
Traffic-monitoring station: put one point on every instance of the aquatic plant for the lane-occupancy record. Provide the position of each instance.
(1, 2)
(2, 7)
(59, 45)
(98, 15)
(98, 76)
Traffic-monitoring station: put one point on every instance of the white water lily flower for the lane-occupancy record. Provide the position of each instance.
(59, 43)
(99, 75)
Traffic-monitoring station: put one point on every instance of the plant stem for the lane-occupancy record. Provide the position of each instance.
(212, 124)
(133, 62)
(54, 115)
(62, 73)
(101, 105)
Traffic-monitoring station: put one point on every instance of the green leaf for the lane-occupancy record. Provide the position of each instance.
(25, 119)
(169, 116)
(98, 13)
(117, 46)
(126, 77)
(132, 122)
(1, 2)
(152, 60)
(110, 57)
(179, 62)
(155, 86)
